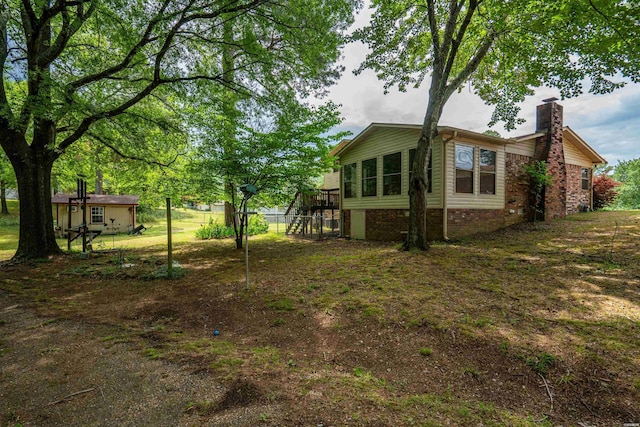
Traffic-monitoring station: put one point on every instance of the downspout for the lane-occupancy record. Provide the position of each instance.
(341, 207)
(591, 186)
(445, 222)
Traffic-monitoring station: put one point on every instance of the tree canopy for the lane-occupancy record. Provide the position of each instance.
(92, 70)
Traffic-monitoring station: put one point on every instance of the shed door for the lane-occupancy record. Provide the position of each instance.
(358, 224)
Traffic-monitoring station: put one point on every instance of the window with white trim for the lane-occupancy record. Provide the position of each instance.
(585, 178)
(369, 177)
(487, 172)
(349, 180)
(97, 214)
(465, 159)
(392, 174)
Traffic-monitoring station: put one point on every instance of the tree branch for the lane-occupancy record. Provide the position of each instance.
(615, 29)
(110, 146)
(69, 28)
(435, 37)
(455, 43)
(473, 64)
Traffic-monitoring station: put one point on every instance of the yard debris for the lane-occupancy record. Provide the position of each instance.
(69, 396)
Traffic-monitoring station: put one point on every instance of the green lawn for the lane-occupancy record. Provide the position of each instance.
(184, 224)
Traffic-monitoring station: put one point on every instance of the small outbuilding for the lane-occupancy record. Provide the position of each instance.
(111, 214)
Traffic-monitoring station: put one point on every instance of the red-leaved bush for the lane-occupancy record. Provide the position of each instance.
(604, 191)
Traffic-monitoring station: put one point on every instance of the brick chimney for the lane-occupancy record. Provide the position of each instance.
(549, 148)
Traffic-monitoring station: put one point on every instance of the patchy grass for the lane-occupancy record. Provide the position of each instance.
(363, 334)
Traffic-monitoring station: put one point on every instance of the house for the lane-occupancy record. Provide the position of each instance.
(477, 181)
(109, 214)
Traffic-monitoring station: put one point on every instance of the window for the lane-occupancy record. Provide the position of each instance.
(487, 172)
(585, 178)
(392, 174)
(412, 155)
(464, 168)
(349, 181)
(97, 214)
(369, 177)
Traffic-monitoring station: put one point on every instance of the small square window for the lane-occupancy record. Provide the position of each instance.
(585, 179)
(97, 214)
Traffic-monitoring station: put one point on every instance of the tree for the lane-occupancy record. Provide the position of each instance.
(504, 49)
(277, 147)
(89, 64)
(628, 174)
(604, 191)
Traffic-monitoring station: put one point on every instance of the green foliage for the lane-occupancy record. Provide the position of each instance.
(541, 363)
(540, 178)
(258, 224)
(215, 230)
(284, 304)
(89, 90)
(628, 174)
(426, 351)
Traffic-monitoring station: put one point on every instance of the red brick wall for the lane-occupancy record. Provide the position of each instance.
(465, 222)
(576, 196)
(386, 224)
(517, 189)
(392, 224)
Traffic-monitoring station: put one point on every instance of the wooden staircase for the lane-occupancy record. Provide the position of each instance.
(314, 214)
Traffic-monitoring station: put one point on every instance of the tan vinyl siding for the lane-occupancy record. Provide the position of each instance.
(382, 142)
(573, 156)
(121, 215)
(475, 200)
(522, 148)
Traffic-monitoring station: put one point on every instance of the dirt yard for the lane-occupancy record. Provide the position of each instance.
(534, 326)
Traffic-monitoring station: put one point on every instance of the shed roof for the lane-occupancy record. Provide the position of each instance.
(98, 199)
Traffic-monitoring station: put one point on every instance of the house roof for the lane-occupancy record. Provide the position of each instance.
(339, 147)
(568, 133)
(572, 136)
(443, 130)
(97, 199)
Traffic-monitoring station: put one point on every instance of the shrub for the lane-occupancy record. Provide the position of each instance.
(604, 191)
(258, 224)
(214, 230)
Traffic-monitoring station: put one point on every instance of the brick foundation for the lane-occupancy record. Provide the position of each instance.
(393, 224)
(465, 222)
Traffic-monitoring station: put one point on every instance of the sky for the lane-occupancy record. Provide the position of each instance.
(608, 123)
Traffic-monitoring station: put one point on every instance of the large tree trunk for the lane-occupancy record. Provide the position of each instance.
(3, 197)
(419, 185)
(37, 237)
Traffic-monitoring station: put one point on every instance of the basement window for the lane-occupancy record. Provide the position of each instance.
(392, 174)
(369, 177)
(97, 214)
(585, 178)
(349, 181)
(464, 168)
